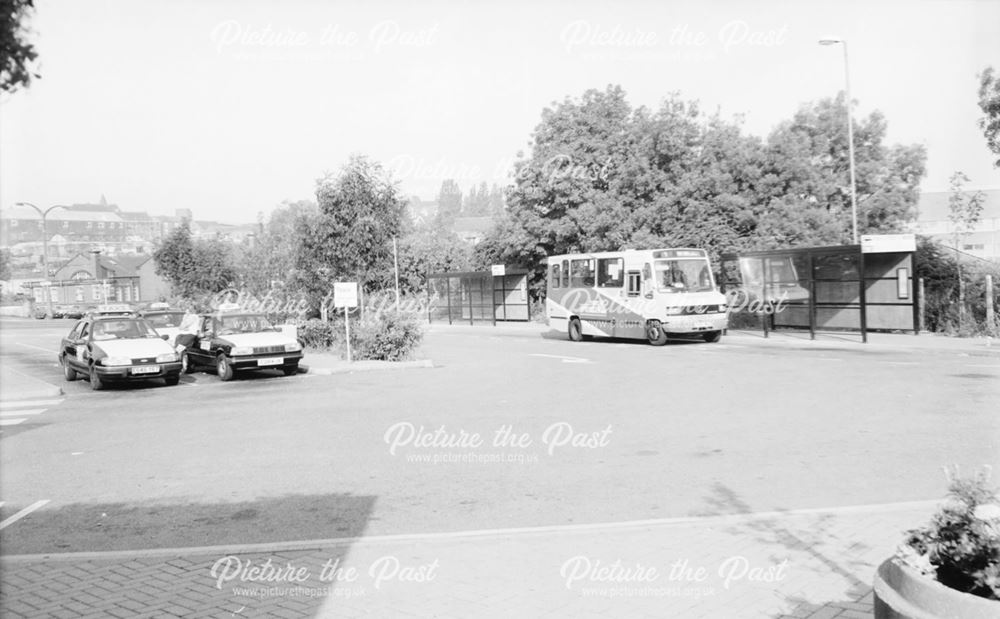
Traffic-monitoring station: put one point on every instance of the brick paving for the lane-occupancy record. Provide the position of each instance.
(804, 564)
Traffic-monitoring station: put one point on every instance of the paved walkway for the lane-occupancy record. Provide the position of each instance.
(811, 563)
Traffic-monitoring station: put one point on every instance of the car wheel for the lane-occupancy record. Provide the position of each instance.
(68, 373)
(225, 368)
(172, 380)
(95, 380)
(290, 369)
(655, 333)
(575, 330)
(712, 336)
(187, 366)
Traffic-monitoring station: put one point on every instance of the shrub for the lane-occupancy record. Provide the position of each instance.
(961, 547)
(387, 336)
(315, 333)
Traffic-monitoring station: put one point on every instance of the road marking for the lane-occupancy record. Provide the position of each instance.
(30, 411)
(24, 512)
(11, 422)
(709, 521)
(981, 365)
(900, 362)
(564, 358)
(16, 403)
(45, 350)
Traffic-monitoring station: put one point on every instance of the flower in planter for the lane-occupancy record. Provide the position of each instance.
(961, 546)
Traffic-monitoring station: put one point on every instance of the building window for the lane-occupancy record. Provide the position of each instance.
(79, 294)
(974, 247)
(90, 225)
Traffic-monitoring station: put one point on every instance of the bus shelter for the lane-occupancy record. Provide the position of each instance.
(478, 296)
(862, 288)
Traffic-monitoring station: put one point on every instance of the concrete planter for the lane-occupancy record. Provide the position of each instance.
(902, 592)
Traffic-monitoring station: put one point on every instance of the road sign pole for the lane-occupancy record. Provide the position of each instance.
(347, 331)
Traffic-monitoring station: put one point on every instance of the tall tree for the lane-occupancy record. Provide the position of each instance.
(349, 237)
(989, 103)
(16, 53)
(194, 267)
(267, 263)
(964, 211)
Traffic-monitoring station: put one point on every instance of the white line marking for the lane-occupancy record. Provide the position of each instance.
(16, 403)
(981, 365)
(900, 362)
(564, 358)
(24, 512)
(11, 422)
(31, 411)
(706, 521)
(45, 350)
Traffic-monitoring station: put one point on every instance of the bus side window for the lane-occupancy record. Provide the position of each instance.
(581, 273)
(609, 273)
(634, 283)
(565, 273)
(555, 281)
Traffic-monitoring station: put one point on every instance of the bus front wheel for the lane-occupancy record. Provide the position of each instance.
(575, 330)
(655, 333)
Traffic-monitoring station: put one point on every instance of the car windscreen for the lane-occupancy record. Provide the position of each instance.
(125, 329)
(167, 319)
(244, 323)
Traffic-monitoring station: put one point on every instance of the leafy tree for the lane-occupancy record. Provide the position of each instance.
(989, 103)
(964, 211)
(603, 176)
(268, 263)
(428, 251)
(194, 267)
(349, 236)
(16, 53)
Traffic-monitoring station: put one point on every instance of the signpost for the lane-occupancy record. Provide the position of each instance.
(345, 295)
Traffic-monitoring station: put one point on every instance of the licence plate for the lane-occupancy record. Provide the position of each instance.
(275, 361)
(146, 369)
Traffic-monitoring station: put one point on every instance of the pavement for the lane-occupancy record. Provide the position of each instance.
(816, 564)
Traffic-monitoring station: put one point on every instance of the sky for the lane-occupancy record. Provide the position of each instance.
(230, 108)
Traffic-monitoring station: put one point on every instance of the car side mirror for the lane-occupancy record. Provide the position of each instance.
(164, 337)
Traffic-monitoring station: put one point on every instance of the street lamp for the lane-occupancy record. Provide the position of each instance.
(833, 40)
(45, 244)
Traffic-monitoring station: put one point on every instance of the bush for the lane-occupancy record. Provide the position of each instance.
(315, 333)
(387, 336)
(961, 547)
(384, 336)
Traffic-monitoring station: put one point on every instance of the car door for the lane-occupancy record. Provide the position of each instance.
(201, 350)
(76, 345)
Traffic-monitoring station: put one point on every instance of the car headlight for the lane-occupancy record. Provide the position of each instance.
(116, 361)
(167, 357)
(674, 311)
(241, 350)
(293, 347)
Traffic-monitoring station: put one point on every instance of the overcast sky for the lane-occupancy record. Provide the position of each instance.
(231, 107)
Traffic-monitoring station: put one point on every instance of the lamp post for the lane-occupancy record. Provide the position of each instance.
(45, 244)
(833, 40)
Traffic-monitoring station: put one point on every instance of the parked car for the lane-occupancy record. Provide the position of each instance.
(230, 340)
(117, 348)
(74, 312)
